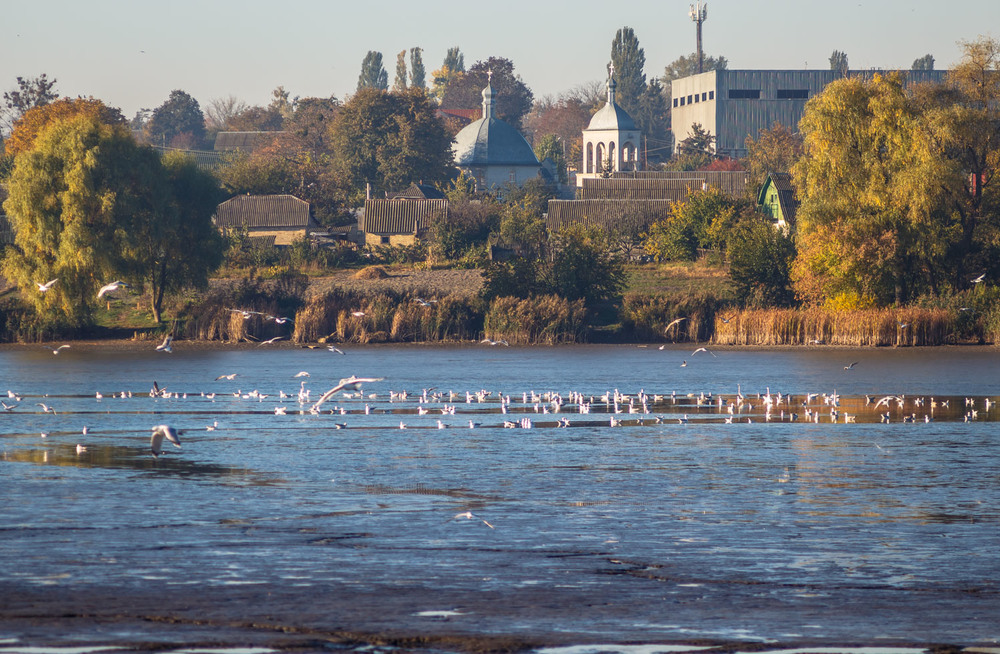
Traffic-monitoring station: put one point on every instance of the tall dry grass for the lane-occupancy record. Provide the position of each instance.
(354, 317)
(857, 328)
(645, 317)
(543, 319)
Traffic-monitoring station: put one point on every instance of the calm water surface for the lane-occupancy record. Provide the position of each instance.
(839, 525)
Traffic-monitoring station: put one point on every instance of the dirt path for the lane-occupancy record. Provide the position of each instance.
(436, 283)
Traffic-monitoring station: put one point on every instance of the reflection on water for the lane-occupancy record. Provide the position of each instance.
(751, 496)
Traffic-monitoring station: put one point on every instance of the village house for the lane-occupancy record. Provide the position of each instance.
(275, 220)
(402, 218)
(777, 200)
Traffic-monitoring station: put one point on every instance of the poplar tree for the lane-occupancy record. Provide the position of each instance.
(628, 60)
(400, 82)
(373, 75)
(418, 75)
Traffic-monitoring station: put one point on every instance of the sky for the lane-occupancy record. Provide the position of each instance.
(132, 53)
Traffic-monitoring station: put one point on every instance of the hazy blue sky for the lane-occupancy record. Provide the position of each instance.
(131, 54)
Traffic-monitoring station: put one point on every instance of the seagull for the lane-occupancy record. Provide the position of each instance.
(159, 433)
(979, 279)
(902, 325)
(230, 377)
(61, 347)
(166, 345)
(357, 314)
(281, 320)
(46, 286)
(271, 341)
(469, 515)
(110, 288)
(672, 323)
(424, 303)
(352, 382)
(335, 349)
(684, 364)
(301, 374)
(703, 349)
(854, 363)
(46, 408)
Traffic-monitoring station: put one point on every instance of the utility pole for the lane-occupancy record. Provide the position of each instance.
(698, 14)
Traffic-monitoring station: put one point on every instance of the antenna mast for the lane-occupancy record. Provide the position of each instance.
(698, 14)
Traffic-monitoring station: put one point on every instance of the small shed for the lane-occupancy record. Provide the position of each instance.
(777, 199)
(270, 219)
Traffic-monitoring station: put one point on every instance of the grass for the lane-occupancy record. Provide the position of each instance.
(680, 279)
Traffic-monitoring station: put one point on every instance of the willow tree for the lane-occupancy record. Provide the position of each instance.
(868, 226)
(82, 201)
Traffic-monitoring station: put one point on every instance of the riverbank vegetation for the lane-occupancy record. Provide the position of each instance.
(896, 241)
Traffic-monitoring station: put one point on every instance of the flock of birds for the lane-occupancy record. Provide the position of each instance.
(533, 409)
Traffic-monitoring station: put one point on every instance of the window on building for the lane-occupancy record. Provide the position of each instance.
(675, 102)
(697, 98)
(682, 102)
(793, 94)
(704, 96)
(384, 240)
(689, 99)
(513, 176)
(711, 95)
(744, 94)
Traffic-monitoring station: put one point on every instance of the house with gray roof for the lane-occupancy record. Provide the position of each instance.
(399, 221)
(777, 200)
(270, 219)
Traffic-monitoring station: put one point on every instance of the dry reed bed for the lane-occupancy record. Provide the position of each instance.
(541, 320)
(859, 328)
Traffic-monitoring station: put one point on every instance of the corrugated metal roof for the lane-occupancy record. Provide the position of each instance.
(263, 211)
(625, 216)
(611, 188)
(732, 182)
(386, 217)
(418, 192)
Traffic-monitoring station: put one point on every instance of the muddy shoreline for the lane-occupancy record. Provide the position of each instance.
(266, 616)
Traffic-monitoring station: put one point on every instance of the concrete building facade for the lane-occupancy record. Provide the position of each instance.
(733, 104)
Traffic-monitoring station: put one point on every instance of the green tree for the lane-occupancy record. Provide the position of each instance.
(82, 201)
(838, 62)
(30, 92)
(653, 117)
(584, 266)
(373, 75)
(702, 220)
(178, 247)
(760, 259)
(399, 84)
(514, 98)
(418, 74)
(388, 140)
(923, 63)
(628, 60)
(178, 122)
(282, 103)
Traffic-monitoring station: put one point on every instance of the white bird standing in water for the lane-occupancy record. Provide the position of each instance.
(159, 433)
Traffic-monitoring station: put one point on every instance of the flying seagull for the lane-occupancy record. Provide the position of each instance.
(977, 280)
(353, 383)
(469, 515)
(672, 323)
(230, 377)
(271, 341)
(110, 288)
(46, 286)
(159, 433)
(166, 345)
(854, 363)
(61, 347)
(703, 349)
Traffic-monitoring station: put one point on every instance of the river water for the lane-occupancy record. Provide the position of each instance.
(807, 513)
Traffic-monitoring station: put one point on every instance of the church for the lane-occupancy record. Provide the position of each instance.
(492, 151)
(610, 141)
